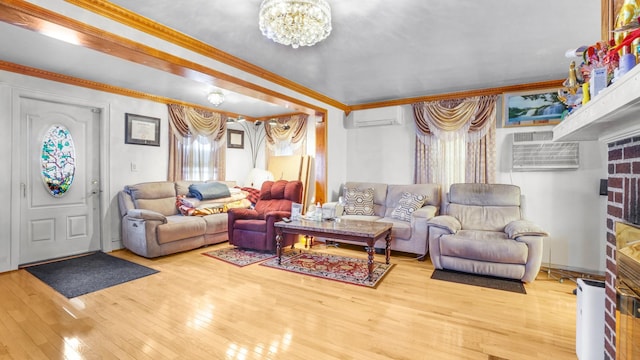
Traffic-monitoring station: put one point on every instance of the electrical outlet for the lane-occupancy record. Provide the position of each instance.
(134, 167)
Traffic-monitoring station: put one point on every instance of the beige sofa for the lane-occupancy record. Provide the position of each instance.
(407, 236)
(153, 226)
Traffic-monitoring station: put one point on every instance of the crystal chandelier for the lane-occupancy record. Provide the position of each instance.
(216, 97)
(295, 22)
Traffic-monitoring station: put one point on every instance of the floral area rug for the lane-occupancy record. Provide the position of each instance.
(239, 257)
(332, 267)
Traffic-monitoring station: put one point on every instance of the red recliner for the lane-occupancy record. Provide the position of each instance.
(253, 228)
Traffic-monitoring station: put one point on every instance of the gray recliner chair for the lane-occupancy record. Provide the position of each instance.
(482, 230)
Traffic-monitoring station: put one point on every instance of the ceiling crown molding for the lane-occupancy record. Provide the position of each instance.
(133, 20)
(31, 17)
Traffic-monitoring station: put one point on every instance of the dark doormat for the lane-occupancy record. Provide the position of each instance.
(480, 280)
(89, 273)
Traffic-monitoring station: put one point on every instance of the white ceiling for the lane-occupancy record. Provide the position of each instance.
(378, 50)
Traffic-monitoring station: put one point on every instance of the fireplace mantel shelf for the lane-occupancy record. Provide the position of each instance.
(611, 116)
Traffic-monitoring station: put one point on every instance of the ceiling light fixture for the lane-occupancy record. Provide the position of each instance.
(295, 22)
(216, 97)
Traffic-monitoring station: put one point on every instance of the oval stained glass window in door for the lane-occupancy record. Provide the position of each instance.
(58, 160)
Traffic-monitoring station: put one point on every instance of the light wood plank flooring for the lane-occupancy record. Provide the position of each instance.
(198, 307)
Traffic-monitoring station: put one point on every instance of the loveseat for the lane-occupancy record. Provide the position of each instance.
(393, 204)
(153, 223)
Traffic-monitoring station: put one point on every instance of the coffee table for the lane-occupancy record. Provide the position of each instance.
(339, 230)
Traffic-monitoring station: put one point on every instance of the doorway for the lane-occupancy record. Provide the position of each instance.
(57, 222)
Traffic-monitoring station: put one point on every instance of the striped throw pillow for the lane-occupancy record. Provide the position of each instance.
(407, 205)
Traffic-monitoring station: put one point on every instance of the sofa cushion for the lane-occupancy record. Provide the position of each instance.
(216, 223)
(485, 194)
(157, 196)
(394, 194)
(484, 246)
(489, 218)
(180, 227)
(407, 204)
(401, 229)
(256, 225)
(358, 201)
(361, 217)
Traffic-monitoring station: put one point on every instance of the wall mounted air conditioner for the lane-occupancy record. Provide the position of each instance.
(532, 151)
(390, 115)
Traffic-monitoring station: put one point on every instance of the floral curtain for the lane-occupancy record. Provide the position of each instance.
(288, 137)
(196, 139)
(455, 141)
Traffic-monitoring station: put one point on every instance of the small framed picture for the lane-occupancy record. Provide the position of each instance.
(296, 210)
(235, 139)
(141, 130)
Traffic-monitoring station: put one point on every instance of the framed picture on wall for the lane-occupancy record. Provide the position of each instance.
(531, 108)
(141, 130)
(235, 139)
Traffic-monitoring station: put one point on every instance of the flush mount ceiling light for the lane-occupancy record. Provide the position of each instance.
(295, 22)
(216, 97)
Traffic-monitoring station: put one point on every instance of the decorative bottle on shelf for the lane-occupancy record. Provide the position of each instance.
(585, 93)
(318, 213)
(627, 61)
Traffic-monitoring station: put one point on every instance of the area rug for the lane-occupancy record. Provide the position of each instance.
(85, 274)
(239, 257)
(332, 267)
(480, 280)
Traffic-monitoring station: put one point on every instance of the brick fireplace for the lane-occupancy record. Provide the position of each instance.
(622, 206)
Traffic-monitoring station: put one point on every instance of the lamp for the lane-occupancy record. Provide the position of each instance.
(216, 97)
(295, 22)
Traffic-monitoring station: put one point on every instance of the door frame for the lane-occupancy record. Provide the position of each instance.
(18, 93)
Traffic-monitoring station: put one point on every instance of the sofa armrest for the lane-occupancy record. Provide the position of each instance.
(518, 228)
(242, 213)
(275, 216)
(445, 222)
(146, 215)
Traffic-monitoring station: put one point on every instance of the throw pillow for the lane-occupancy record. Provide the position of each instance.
(407, 205)
(358, 201)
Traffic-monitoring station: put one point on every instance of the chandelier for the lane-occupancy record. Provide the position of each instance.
(216, 97)
(295, 22)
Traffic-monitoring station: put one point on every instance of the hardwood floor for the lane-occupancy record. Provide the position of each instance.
(197, 307)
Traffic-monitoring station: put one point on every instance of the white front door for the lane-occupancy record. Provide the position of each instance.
(54, 225)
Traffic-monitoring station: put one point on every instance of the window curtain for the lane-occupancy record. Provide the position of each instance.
(196, 139)
(288, 137)
(456, 141)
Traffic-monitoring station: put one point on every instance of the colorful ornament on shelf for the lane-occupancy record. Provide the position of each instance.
(571, 92)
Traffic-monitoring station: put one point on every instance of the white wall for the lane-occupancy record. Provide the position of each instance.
(5, 181)
(381, 153)
(239, 161)
(150, 162)
(565, 203)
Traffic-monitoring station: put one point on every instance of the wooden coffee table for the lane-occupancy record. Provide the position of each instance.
(339, 230)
